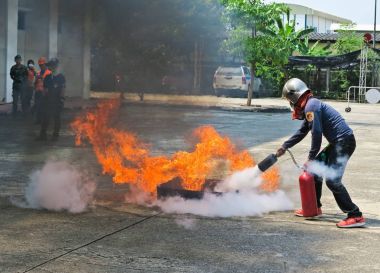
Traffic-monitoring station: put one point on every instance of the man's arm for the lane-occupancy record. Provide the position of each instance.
(298, 136)
(316, 132)
(63, 82)
(12, 73)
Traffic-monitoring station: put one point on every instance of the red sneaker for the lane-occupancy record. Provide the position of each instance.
(299, 212)
(351, 222)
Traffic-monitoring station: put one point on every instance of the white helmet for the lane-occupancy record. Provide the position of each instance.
(293, 90)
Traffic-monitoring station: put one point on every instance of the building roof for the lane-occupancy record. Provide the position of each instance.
(299, 9)
(330, 37)
(359, 28)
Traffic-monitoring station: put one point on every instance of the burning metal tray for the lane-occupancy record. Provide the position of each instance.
(173, 188)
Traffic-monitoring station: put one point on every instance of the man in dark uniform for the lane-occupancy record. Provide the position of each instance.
(39, 89)
(19, 75)
(52, 101)
(323, 120)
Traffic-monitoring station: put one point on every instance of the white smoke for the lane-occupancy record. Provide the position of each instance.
(249, 178)
(248, 203)
(322, 170)
(59, 186)
(241, 197)
(186, 222)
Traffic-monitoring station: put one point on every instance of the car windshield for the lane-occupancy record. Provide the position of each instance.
(232, 71)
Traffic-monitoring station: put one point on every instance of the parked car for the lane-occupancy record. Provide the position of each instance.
(235, 81)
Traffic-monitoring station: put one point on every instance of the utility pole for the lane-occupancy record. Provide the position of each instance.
(374, 26)
(253, 71)
(374, 64)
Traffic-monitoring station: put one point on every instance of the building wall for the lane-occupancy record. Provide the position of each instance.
(319, 20)
(321, 24)
(70, 45)
(3, 70)
(33, 41)
(300, 21)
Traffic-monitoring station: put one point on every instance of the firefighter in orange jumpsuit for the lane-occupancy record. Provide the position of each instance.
(29, 89)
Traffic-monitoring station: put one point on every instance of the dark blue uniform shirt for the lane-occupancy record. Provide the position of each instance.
(320, 119)
(55, 84)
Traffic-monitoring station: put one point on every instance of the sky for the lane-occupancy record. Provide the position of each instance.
(358, 11)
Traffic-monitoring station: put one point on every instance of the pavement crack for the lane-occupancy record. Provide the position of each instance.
(91, 242)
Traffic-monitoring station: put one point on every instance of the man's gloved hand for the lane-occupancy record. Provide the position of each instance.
(280, 152)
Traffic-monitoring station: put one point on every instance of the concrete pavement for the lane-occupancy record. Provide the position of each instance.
(117, 237)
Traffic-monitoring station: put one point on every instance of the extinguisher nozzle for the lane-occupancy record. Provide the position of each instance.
(268, 162)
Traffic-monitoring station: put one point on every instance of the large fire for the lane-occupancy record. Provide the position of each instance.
(128, 160)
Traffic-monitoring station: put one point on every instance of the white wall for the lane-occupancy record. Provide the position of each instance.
(3, 70)
(300, 21)
(33, 41)
(70, 45)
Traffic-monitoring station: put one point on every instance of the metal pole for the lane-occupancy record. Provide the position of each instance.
(374, 65)
(374, 26)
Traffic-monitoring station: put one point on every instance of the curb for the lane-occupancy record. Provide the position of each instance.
(232, 108)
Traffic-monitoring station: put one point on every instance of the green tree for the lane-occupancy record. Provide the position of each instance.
(319, 50)
(269, 50)
(245, 18)
(348, 40)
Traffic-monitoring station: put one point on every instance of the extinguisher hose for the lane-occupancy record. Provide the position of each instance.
(294, 160)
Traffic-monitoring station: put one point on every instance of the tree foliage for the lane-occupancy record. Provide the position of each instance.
(348, 40)
(275, 41)
(148, 39)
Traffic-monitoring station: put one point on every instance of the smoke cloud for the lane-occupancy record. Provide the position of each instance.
(241, 197)
(321, 169)
(59, 186)
(249, 178)
(248, 203)
(186, 223)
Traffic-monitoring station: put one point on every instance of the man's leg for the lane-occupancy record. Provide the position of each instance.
(44, 123)
(318, 180)
(338, 159)
(57, 122)
(15, 95)
(24, 99)
(37, 107)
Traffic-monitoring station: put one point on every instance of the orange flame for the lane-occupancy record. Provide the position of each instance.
(128, 160)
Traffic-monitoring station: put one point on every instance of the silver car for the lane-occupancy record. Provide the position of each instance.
(234, 81)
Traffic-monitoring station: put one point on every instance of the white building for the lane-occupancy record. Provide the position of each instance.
(310, 18)
(50, 28)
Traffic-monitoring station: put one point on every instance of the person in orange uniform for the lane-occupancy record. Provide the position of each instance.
(39, 88)
(29, 89)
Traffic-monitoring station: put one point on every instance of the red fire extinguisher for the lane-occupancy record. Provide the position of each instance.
(308, 196)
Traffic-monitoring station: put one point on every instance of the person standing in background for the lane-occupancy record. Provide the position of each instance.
(39, 89)
(29, 88)
(52, 101)
(19, 75)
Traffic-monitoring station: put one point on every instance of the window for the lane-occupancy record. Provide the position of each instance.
(21, 24)
(231, 71)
